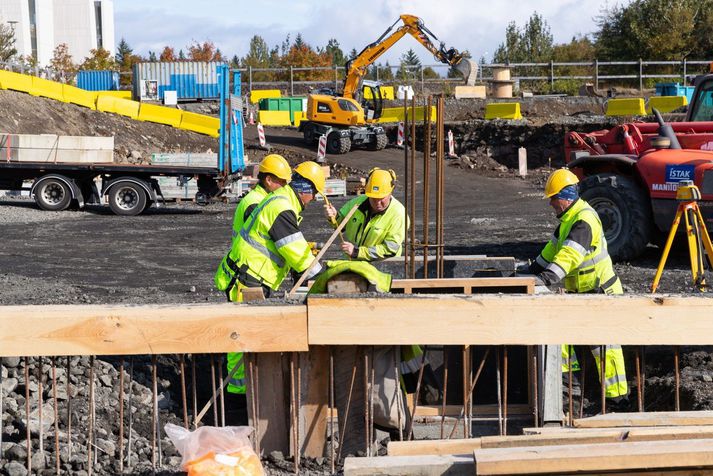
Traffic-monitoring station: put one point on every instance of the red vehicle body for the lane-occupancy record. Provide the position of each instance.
(632, 185)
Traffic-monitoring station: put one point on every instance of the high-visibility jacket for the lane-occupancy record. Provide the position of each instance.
(615, 384)
(268, 246)
(375, 235)
(245, 207)
(577, 254)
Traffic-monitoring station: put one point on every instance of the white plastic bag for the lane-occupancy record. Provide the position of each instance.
(216, 451)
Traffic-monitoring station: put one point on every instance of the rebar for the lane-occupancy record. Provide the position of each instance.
(643, 378)
(194, 390)
(445, 379)
(498, 384)
(426, 182)
(214, 399)
(677, 377)
(253, 402)
(367, 443)
(121, 416)
(2, 412)
(409, 431)
(638, 380)
(570, 398)
(256, 368)
(131, 413)
(371, 398)
(90, 438)
(472, 389)
(27, 415)
(297, 413)
(602, 376)
(535, 385)
(158, 414)
(332, 447)
(154, 407)
(69, 414)
(412, 208)
(293, 411)
(406, 190)
(505, 390)
(581, 387)
(40, 402)
(222, 384)
(184, 399)
(55, 405)
(349, 404)
(399, 400)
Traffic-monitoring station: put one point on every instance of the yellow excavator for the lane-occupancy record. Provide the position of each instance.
(349, 119)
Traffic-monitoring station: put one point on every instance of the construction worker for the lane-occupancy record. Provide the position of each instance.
(268, 245)
(376, 230)
(274, 172)
(577, 255)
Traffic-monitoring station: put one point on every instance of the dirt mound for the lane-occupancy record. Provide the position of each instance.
(25, 114)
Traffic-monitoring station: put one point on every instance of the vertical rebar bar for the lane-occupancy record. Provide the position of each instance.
(406, 189)
(220, 385)
(121, 416)
(426, 182)
(55, 405)
(256, 368)
(40, 402)
(445, 387)
(343, 430)
(412, 207)
(371, 397)
(69, 413)
(184, 399)
(399, 400)
(570, 398)
(439, 149)
(2, 408)
(367, 443)
(638, 381)
(154, 411)
(253, 401)
(472, 389)
(581, 387)
(643, 378)
(602, 376)
(297, 411)
(505, 390)
(332, 446)
(677, 377)
(498, 383)
(419, 380)
(469, 358)
(442, 197)
(131, 413)
(194, 390)
(535, 385)
(293, 412)
(215, 395)
(90, 437)
(27, 415)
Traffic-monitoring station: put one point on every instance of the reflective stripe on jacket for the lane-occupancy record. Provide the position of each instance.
(615, 384)
(578, 253)
(269, 244)
(377, 236)
(246, 205)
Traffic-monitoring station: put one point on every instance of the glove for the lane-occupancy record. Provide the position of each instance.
(523, 268)
(539, 281)
(315, 247)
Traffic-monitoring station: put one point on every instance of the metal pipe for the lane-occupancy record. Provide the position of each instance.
(412, 207)
(677, 377)
(426, 180)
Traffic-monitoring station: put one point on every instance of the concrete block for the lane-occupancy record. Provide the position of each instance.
(53, 148)
(186, 159)
(666, 103)
(503, 110)
(626, 107)
(470, 92)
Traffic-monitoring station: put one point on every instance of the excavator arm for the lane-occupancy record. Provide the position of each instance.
(357, 68)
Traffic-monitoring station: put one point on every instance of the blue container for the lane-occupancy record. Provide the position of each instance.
(190, 79)
(674, 89)
(98, 80)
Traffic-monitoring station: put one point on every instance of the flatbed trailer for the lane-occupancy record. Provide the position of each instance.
(130, 189)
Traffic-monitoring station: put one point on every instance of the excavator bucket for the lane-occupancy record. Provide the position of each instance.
(469, 70)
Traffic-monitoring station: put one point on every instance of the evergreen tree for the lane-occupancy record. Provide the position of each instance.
(7, 42)
(531, 44)
(152, 56)
(410, 66)
(123, 52)
(335, 52)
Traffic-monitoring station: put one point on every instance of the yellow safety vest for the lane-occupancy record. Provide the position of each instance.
(246, 205)
(377, 236)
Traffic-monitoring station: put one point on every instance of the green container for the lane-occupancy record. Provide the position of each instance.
(290, 104)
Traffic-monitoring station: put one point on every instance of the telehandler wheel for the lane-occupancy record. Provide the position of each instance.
(625, 212)
(379, 143)
(338, 144)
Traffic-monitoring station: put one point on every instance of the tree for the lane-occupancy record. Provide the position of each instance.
(205, 51)
(125, 59)
(430, 73)
(62, 63)
(7, 43)
(410, 66)
(533, 43)
(152, 56)
(167, 54)
(181, 55)
(300, 54)
(98, 59)
(259, 56)
(123, 52)
(335, 52)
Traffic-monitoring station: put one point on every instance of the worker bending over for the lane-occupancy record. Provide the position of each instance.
(577, 255)
(267, 247)
(274, 172)
(376, 230)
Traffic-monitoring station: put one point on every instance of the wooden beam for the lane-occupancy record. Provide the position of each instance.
(648, 455)
(609, 420)
(467, 285)
(563, 437)
(511, 320)
(150, 329)
(673, 430)
(410, 465)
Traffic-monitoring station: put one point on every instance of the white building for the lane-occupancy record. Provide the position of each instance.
(41, 25)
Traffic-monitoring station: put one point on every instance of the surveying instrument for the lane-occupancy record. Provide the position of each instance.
(696, 234)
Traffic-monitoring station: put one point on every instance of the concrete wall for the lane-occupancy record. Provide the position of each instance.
(72, 22)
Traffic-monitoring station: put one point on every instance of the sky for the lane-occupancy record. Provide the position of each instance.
(474, 25)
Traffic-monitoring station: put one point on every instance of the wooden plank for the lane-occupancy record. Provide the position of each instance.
(646, 419)
(514, 409)
(511, 320)
(466, 283)
(150, 329)
(647, 455)
(314, 408)
(410, 465)
(686, 429)
(563, 437)
(273, 419)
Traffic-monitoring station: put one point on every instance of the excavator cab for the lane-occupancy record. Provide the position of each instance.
(371, 100)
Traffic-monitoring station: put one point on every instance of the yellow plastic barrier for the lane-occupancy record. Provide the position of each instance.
(666, 103)
(626, 107)
(503, 110)
(387, 92)
(257, 94)
(274, 118)
(15, 81)
(203, 124)
(396, 114)
(298, 117)
(159, 114)
(116, 94)
(106, 103)
(79, 97)
(124, 107)
(47, 89)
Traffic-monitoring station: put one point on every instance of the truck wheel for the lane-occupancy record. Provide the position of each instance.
(338, 144)
(53, 194)
(379, 142)
(127, 198)
(625, 212)
(309, 134)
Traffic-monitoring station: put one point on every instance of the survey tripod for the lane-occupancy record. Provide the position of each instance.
(696, 234)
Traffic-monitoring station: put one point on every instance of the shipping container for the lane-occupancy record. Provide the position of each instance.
(98, 80)
(674, 89)
(190, 79)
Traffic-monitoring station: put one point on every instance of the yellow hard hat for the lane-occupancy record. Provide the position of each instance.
(276, 165)
(380, 183)
(313, 172)
(558, 180)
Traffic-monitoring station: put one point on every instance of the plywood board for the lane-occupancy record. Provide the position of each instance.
(511, 320)
(150, 329)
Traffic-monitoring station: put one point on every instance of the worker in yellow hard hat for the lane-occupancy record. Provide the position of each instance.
(274, 172)
(577, 256)
(376, 230)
